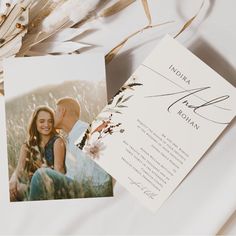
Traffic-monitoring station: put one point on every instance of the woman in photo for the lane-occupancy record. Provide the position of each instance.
(43, 148)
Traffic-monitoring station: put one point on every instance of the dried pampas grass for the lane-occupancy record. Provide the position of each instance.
(71, 11)
(63, 16)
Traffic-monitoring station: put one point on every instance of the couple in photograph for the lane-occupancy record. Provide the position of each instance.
(50, 166)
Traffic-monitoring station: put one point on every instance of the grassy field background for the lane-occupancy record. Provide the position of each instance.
(91, 96)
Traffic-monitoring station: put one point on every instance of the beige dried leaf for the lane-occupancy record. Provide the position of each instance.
(109, 56)
(186, 25)
(115, 8)
(147, 11)
(189, 22)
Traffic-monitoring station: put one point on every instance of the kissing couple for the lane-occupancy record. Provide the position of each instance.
(50, 166)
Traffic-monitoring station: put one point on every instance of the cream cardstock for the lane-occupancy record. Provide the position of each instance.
(161, 122)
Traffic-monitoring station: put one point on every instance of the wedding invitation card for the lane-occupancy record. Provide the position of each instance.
(50, 102)
(160, 123)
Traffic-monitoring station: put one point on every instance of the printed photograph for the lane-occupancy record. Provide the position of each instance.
(50, 103)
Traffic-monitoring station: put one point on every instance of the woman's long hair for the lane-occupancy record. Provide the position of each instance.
(35, 156)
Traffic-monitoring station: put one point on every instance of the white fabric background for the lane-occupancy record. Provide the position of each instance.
(207, 197)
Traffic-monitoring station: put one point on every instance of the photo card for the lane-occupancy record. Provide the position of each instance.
(49, 103)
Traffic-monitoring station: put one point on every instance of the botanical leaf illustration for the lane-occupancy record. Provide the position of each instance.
(118, 112)
(122, 106)
(119, 100)
(123, 88)
(126, 99)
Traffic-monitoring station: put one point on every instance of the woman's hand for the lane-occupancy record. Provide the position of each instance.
(13, 187)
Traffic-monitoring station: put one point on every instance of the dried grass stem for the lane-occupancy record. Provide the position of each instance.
(112, 53)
